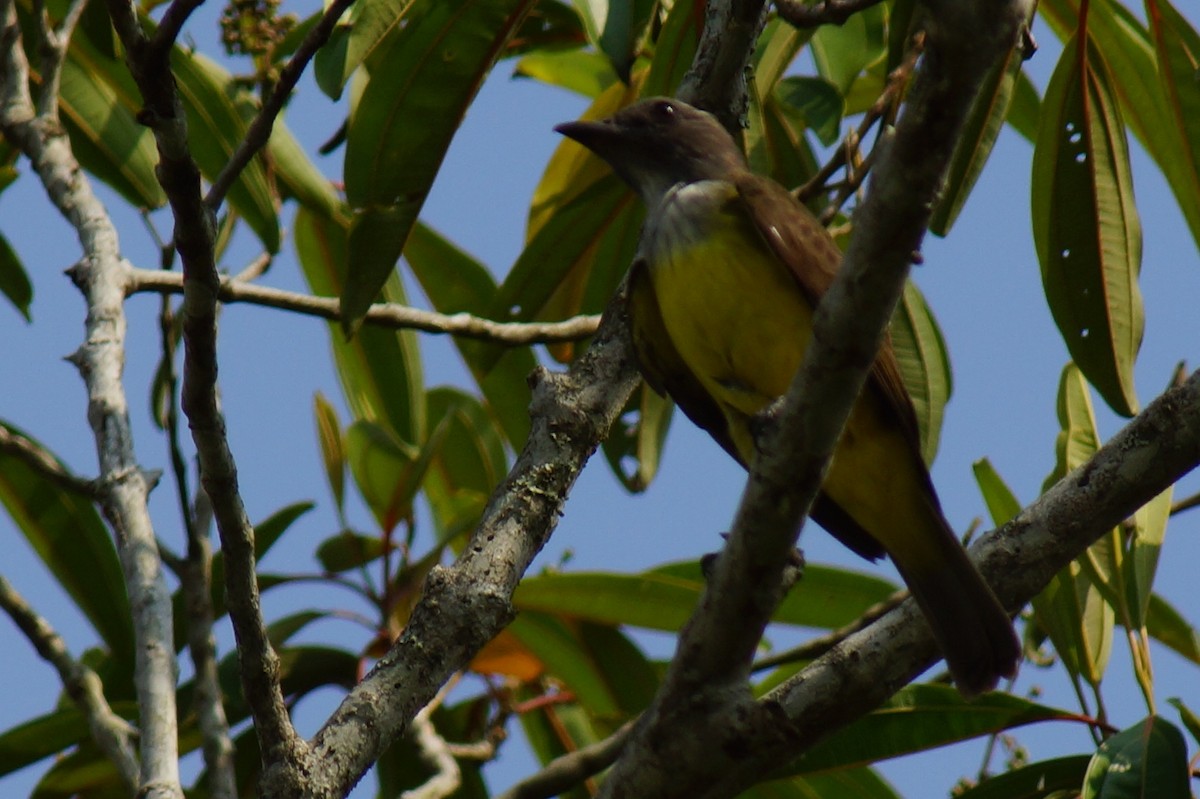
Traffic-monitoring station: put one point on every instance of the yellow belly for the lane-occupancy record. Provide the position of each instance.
(741, 324)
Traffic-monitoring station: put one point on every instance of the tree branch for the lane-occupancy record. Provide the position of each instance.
(388, 315)
(112, 734)
(123, 486)
(704, 712)
(259, 131)
(823, 12)
(565, 772)
(465, 605)
(194, 238)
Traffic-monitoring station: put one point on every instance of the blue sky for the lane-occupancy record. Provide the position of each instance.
(982, 283)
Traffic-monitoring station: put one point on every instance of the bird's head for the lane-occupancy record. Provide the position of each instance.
(657, 143)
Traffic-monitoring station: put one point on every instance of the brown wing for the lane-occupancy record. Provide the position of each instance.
(663, 366)
(803, 245)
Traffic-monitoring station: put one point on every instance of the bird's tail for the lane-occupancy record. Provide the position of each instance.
(973, 630)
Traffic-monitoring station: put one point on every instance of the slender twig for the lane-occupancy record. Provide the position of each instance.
(572, 769)
(389, 315)
(53, 47)
(38, 458)
(815, 647)
(259, 131)
(194, 237)
(172, 23)
(112, 734)
(435, 751)
(823, 12)
(1185, 504)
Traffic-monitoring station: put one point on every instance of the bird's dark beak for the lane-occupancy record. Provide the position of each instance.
(593, 135)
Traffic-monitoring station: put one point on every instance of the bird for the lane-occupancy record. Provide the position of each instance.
(721, 294)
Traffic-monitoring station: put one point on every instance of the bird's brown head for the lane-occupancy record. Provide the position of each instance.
(656, 143)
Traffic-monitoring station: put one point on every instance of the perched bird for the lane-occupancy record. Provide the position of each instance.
(721, 295)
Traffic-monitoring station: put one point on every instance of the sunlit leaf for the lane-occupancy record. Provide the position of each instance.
(581, 71)
(14, 283)
(924, 365)
(333, 448)
(1046, 779)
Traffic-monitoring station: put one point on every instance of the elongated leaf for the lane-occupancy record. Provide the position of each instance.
(1001, 502)
(380, 370)
(216, 127)
(843, 52)
(467, 467)
(614, 28)
(1141, 562)
(675, 48)
(580, 71)
(924, 365)
(105, 136)
(388, 471)
(663, 599)
(1147, 760)
(1177, 48)
(402, 124)
(1071, 609)
(1060, 777)
(988, 112)
(635, 442)
(605, 671)
(1167, 625)
(367, 27)
(1085, 227)
(1026, 108)
(297, 176)
(455, 282)
(14, 283)
(917, 718)
(854, 783)
(333, 447)
(66, 532)
(814, 101)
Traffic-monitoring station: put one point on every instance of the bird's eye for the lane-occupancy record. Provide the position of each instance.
(664, 109)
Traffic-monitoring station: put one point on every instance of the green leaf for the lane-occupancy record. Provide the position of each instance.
(814, 102)
(348, 550)
(297, 176)
(1146, 760)
(1001, 502)
(635, 442)
(843, 52)
(66, 532)
(605, 671)
(1072, 609)
(1141, 562)
(333, 447)
(97, 109)
(382, 466)
(455, 282)
(924, 365)
(675, 48)
(1190, 720)
(380, 370)
(366, 28)
(581, 71)
(614, 28)
(1026, 108)
(14, 283)
(1167, 625)
(989, 110)
(855, 783)
(467, 467)
(216, 126)
(664, 599)
(430, 71)
(917, 718)
(1060, 777)
(1086, 230)
(49, 734)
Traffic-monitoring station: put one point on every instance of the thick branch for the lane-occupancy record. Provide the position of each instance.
(381, 314)
(465, 605)
(824, 12)
(704, 714)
